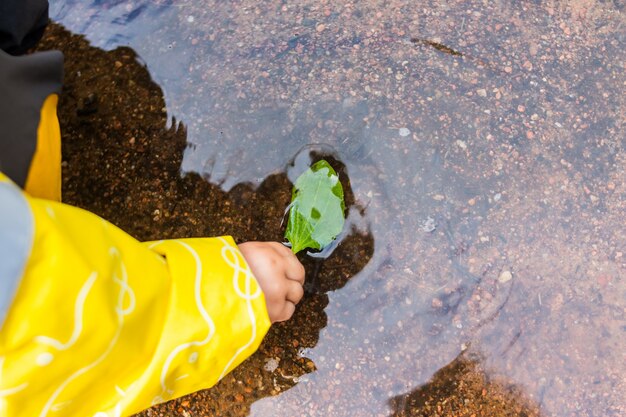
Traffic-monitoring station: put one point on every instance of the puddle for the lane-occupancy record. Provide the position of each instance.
(483, 147)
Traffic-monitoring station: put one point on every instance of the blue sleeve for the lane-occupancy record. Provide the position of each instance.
(16, 239)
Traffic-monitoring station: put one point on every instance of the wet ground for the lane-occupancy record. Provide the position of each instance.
(482, 272)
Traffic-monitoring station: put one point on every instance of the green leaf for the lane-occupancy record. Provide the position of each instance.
(316, 214)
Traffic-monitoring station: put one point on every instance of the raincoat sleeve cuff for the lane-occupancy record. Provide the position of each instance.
(217, 314)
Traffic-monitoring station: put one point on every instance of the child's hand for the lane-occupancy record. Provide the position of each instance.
(280, 275)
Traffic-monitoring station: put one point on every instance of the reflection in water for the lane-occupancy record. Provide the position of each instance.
(487, 158)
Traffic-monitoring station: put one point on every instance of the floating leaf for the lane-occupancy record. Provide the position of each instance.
(316, 214)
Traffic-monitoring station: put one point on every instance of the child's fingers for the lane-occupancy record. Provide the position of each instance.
(294, 270)
(295, 292)
(288, 310)
(280, 248)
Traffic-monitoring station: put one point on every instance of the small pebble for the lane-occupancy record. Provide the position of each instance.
(403, 131)
(428, 225)
(505, 276)
(271, 364)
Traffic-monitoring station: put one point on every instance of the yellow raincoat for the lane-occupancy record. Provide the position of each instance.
(95, 323)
